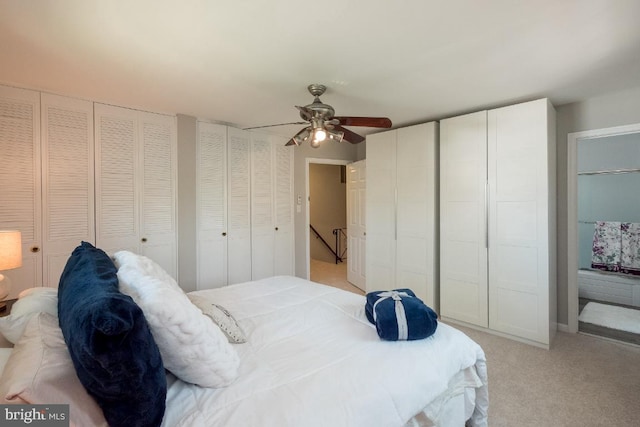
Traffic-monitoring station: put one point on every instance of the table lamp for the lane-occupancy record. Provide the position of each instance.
(10, 257)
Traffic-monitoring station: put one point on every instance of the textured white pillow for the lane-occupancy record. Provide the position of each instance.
(30, 302)
(192, 347)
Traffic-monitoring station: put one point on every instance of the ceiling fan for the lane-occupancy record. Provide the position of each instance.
(324, 125)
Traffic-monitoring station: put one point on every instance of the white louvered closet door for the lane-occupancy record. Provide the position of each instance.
(20, 198)
(284, 234)
(262, 207)
(238, 206)
(68, 181)
(117, 183)
(211, 210)
(158, 198)
(136, 183)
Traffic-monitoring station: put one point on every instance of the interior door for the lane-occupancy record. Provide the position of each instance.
(356, 224)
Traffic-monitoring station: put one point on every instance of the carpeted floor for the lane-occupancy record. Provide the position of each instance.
(582, 381)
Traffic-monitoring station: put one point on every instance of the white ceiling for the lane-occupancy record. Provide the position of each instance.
(249, 62)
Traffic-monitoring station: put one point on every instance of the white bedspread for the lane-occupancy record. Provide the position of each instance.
(313, 359)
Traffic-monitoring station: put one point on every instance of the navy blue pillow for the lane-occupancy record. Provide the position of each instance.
(109, 341)
(419, 322)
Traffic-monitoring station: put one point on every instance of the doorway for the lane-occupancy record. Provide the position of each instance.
(327, 260)
(603, 215)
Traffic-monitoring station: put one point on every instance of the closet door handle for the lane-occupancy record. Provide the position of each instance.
(224, 234)
(486, 214)
(395, 213)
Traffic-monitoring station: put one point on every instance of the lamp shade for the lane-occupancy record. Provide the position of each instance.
(10, 250)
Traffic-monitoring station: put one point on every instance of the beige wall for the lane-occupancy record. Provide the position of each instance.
(614, 109)
(327, 208)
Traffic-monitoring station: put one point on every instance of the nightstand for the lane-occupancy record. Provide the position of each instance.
(5, 311)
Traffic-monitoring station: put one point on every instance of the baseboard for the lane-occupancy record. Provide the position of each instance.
(562, 327)
(493, 332)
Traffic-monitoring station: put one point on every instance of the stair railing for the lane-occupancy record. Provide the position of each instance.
(327, 245)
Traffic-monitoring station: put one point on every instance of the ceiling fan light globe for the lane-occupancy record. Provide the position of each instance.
(319, 135)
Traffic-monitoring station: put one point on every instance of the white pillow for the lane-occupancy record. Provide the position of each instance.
(30, 301)
(192, 347)
(40, 371)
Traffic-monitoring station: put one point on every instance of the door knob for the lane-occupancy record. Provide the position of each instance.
(144, 239)
(276, 228)
(224, 233)
(35, 249)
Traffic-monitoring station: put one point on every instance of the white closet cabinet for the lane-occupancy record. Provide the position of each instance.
(272, 242)
(401, 207)
(136, 156)
(497, 201)
(46, 183)
(223, 212)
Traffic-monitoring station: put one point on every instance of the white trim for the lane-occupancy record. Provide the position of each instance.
(563, 327)
(308, 161)
(572, 211)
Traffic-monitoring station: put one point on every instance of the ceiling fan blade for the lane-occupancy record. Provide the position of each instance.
(279, 124)
(372, 122)
(349, 136)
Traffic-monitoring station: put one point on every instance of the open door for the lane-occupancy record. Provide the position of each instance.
(356, 226)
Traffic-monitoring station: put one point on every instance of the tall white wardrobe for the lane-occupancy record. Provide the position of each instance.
(69, 175)
(401, 207)
(497, 220)
(244, 206)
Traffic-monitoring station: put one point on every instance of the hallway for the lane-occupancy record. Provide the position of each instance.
(333, 275)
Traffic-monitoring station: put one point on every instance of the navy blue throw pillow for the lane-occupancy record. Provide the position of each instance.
(399, 315)
(109, 341)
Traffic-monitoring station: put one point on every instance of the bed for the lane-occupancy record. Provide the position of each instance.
(311, 358)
